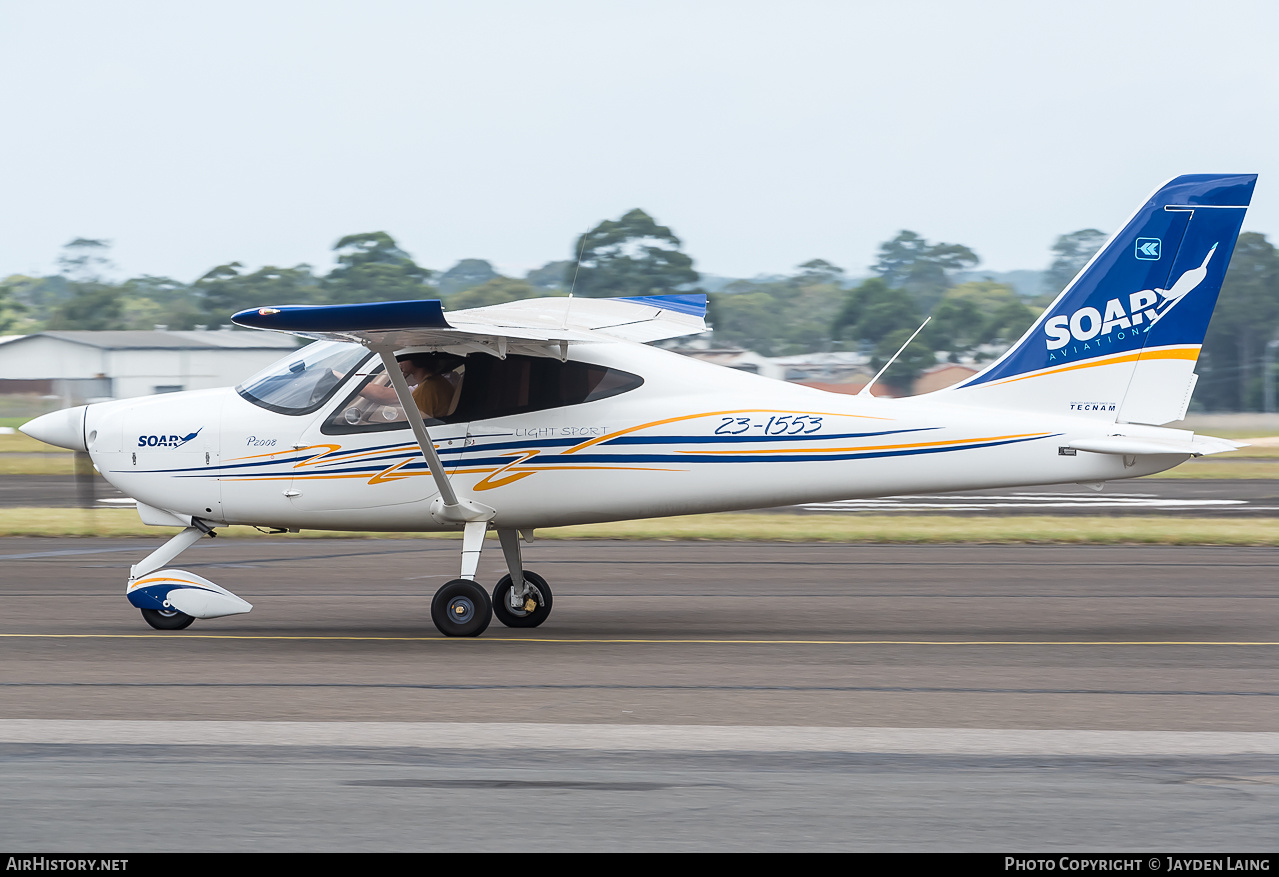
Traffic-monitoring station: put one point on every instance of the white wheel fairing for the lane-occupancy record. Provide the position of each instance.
(178, 590)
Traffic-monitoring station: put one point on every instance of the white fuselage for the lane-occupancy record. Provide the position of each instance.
(693, 438)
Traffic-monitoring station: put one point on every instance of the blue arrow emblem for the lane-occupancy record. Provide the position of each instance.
(1148, 248)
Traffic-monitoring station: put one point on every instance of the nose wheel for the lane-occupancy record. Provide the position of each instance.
(167, 619)
(461, 608)
(522, 610)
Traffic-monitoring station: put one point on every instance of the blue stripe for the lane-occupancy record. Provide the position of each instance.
(693, 304)
(685, 459)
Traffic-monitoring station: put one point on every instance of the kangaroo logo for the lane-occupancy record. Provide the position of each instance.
(1148, 306)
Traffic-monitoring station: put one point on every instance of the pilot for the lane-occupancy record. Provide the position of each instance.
(433, 392)
(425, 374)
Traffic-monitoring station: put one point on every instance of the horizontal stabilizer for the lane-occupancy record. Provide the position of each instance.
(1136, 446)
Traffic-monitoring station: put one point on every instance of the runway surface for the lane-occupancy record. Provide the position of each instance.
(1142, 496)
(682, 696)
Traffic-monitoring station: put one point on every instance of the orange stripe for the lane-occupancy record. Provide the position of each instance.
(289, 450)
(452, 473)
(353, 456)
(1190, 353)
(162, 579)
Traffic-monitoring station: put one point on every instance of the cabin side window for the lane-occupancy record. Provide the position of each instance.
(373, 405)
(484, 387)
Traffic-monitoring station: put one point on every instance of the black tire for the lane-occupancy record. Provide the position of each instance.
(532, 618)
(461, 608)
(167, 619)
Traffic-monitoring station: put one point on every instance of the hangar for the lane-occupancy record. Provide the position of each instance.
(79, 366)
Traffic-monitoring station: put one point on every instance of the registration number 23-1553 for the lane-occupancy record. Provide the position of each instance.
(784, 424)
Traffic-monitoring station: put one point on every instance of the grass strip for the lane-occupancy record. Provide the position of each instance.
(883, 529)
(1217, 469)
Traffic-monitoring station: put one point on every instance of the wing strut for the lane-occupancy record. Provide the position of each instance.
(448, 507)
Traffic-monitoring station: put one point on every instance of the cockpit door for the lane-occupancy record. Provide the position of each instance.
(360, 453)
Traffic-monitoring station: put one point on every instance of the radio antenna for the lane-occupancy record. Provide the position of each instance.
(865, 391)
(576, 268)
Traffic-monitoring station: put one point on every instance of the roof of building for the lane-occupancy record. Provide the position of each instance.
(153, 340)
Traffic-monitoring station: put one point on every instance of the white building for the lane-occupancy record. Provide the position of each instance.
(78, 366)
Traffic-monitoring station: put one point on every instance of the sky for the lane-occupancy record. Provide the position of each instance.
(764, 134)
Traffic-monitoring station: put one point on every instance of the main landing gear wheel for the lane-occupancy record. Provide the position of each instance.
(167, 619)
(537, 603)
(461, 608)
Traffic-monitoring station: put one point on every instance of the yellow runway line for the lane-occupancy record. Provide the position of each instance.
(717, 642)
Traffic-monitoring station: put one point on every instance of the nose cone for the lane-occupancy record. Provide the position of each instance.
(63, 428)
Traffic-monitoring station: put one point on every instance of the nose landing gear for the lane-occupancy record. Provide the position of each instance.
(170, 599)
(167, 619)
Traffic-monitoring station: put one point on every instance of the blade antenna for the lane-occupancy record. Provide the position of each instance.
(573, 285)
(865, 391)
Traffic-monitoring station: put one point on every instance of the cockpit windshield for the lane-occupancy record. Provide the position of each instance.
(302, 382)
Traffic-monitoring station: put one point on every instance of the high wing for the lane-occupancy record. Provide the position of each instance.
(542, 326)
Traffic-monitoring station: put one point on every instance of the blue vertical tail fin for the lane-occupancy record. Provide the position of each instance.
(1121, 340)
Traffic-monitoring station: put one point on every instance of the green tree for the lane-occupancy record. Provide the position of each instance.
(465, 275)
(1008, 323)
(879, 319)
(780, 317)
(1246, 317)
(372, 267)
(89, 302)
(1071, 253)
(818, 271)
(630, 256)
(747, 319)
(917, 357)
(957, 327)
(550, 276)
(85, 260)
(224, 290)
(149, 301)
(39, 297)
(873, 310)
(923, 270)
(14, 312)
(977, 314)
(94, 306)
(497, 291)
